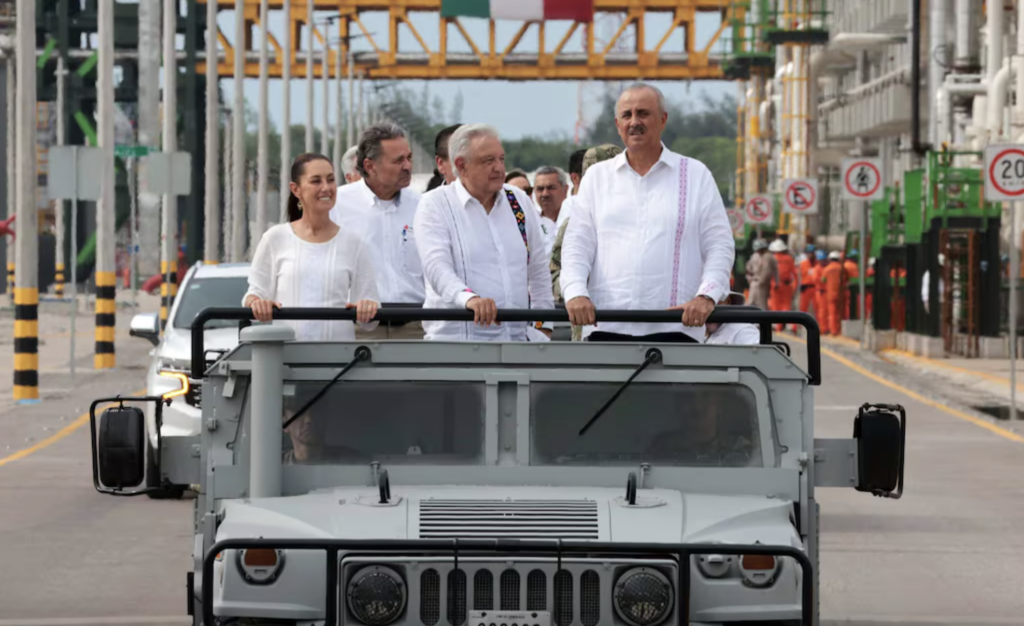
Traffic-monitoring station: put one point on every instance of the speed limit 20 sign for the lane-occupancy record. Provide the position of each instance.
(1004, 172)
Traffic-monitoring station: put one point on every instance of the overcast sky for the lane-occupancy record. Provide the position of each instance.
(522, 108)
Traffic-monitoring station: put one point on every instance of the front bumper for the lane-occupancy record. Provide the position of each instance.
(456, 549)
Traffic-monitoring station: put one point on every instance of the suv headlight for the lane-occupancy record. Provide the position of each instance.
(643, 597)
(376, 595)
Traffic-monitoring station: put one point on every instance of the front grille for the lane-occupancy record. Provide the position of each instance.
(519, 519)
(546, 588)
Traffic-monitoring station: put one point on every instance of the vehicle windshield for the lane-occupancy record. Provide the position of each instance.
(427, 423)
(200, 293)
(693, 425)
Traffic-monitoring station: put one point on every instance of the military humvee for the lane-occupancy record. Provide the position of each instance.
(503, 484)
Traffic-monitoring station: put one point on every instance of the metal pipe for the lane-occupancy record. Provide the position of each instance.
(309, 77)
(105, 275)
(966, 22)
(351, 131)
(229, 213)
(997, 91)
(169, 230)
(150, 42)
(915, 77)
(12, 160)
(996, 20)
(286, 113)
(238, 199)
(211, 245)
(263, 137)
(267, 404)
(936, 44)
(325, 137)
(338, 175)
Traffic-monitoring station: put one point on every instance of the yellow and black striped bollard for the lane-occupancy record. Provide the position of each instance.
(58, 280)
(105, 320)
(168, 289)
(26, 344)
(10, 280)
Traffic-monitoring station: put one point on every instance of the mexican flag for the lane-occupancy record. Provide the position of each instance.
(527, 10)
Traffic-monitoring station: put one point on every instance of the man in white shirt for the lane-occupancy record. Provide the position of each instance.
(575, 175)
(649, 231)
(481, 245)
(380, 208)
(348, 165)
(733, 334)
(550, 187)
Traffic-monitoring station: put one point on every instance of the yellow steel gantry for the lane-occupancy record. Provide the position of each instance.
(493, 61)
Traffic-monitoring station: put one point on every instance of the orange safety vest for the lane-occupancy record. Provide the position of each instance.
(835, 279)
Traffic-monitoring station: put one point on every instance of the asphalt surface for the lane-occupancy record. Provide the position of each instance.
(947, 553)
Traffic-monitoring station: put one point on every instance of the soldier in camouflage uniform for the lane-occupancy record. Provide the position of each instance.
(715, 431)
(592, 156)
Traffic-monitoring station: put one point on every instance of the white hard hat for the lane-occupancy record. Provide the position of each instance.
(777, 246)
(835, 255)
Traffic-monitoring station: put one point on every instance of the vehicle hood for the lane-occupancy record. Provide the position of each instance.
(177, 343)
(437, 512)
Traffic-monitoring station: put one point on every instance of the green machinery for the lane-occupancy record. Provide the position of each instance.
(939, 208)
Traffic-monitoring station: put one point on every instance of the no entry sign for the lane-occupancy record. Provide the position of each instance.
(735, 220)
(759, 210)
(862, 179)
(1004, 172)
(800, 196)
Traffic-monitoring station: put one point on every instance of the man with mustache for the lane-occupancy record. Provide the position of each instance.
(649, 231)
(380, 207)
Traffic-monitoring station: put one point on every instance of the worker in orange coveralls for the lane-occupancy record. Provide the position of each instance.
(835, 278)
(808, 271)
(852, 266)
(784, 283)
(820, 306)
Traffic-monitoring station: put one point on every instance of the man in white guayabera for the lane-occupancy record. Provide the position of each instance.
(649, 231)
(481, 245)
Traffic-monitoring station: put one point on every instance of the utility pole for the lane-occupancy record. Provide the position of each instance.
(149, 134)
(339, 176)
(325, 138)
(238, 199)
(26, 247)
(286, 113)
(309, 77)
(12, 159)
(169, 236)
(59, 205)
(211, 246)
(106, 275)
(262, 137)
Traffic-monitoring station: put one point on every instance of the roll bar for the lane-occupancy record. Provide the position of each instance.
(388, 313)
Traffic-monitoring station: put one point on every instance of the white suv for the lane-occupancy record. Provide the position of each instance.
(170, 360)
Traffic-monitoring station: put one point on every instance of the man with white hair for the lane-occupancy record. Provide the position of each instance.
(550, 187)
(649, 231)
(481, 245)
(348, 165)
(380, 207)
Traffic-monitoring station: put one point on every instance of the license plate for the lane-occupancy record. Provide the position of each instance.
(509, 618)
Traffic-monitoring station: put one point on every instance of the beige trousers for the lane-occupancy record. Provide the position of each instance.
(410, 331)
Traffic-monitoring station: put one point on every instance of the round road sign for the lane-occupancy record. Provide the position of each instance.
(1006, 173)
(862, 179)
(759, 209)
(800, 196)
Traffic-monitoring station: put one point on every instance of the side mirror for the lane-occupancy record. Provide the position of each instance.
(881, 438)
(119, 446)
(147, 326)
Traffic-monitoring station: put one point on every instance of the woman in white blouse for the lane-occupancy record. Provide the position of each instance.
(311, 262)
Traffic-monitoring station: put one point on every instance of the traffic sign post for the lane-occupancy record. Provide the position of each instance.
(862, 181)
(759, 211)
(76, 173)
(1004, 180)
(800, 196)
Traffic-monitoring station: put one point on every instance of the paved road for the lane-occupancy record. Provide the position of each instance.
(947, 553)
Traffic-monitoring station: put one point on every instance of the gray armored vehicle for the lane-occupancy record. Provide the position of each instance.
(398, 483)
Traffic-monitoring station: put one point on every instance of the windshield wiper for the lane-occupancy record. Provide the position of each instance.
(653, 356)
(362, 354)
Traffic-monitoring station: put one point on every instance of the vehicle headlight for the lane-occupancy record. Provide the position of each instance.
(643, 597)
(260, 566)
(376, 595)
